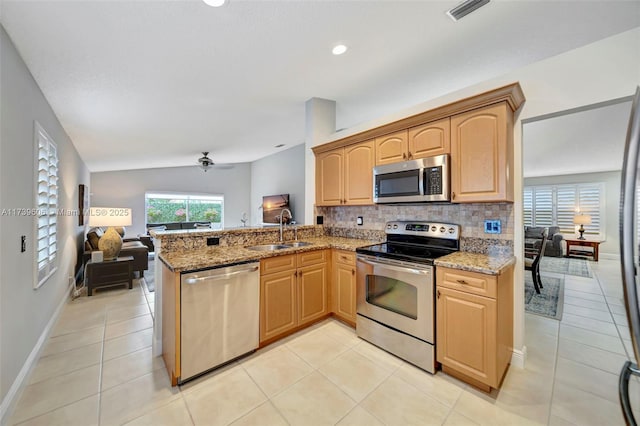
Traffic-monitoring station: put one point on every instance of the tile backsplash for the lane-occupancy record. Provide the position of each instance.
(470, 217)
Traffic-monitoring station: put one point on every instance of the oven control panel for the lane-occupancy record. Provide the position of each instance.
(427, 229)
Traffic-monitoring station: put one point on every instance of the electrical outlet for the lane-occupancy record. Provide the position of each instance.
(359, 220)
(213, 241)
(492, 226)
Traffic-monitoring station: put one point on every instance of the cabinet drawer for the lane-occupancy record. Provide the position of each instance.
(344, 257)
(312, 257)
(469, 282)
(277, 264)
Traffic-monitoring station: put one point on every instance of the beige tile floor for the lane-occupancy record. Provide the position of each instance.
(97, 368)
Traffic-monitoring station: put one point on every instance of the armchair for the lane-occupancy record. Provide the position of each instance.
(533, 240)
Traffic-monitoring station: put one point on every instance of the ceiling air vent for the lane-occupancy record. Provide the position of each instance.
(465, 8)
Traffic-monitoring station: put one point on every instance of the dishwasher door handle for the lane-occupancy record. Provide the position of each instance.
(222, 276)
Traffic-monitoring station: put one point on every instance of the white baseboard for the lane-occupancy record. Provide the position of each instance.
(518, 357)
(609, 256)
(11, 399)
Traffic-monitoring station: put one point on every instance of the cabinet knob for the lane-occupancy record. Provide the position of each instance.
(462, 282)
(453, 195)
(438, 294)
(404, 155)
(410, 154)
(353, 272)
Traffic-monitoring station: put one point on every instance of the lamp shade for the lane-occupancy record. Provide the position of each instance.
(109, 216)
(582, 219)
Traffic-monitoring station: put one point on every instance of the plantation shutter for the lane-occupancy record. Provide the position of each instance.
(47, 205)
(566, 207)
(543, 206)
(527, 206)
(557, 205)
(590, 203)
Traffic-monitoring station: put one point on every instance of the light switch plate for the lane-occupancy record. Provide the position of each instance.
(492, 226)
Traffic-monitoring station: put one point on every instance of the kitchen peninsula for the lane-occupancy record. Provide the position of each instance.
(298, 285)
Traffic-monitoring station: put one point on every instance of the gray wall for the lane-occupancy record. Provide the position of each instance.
(610, 247)
(126, 188)
(25, 313)
(281, 173)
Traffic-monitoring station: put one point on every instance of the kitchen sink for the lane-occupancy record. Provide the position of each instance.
(269, 247)
(273, 247)
(298, 244)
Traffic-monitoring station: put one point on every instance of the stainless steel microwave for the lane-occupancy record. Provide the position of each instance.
(415, 181)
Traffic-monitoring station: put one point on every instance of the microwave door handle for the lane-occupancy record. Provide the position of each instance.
(421, 182)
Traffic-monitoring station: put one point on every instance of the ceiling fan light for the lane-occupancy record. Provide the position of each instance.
(205, 162)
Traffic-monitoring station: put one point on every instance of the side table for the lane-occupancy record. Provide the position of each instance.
(580, 248)
(109, 272)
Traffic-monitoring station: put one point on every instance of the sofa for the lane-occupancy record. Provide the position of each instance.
(533, 240)
(130, 247)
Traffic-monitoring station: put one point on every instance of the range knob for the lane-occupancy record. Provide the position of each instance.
(442, 229)
(395, 226)
(433, 229)
(389, 226)
(451, 230)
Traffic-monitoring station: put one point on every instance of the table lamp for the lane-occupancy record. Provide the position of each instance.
(111, 242)
(582, 219)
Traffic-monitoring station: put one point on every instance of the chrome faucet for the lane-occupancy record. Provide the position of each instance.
(281, 215)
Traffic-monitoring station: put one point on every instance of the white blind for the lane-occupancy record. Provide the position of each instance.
(557, 205)
(47, 205)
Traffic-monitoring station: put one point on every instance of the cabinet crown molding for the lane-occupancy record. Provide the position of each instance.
(511, 94)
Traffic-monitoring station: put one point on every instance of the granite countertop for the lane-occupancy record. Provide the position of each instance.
(191, 260)
(475, 262)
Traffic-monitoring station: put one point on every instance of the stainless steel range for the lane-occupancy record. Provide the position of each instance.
(396, 286)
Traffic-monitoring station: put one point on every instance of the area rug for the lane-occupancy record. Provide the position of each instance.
(566, 265)
(550, 300)
(148, 277)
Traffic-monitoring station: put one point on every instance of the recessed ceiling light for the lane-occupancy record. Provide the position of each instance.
(465, 8)
(339, 49)
(215, 3)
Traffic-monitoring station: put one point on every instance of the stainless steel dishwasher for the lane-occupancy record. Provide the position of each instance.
(220, 314)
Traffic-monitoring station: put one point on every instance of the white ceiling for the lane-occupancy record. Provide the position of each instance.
(140, 84)
(581, 142)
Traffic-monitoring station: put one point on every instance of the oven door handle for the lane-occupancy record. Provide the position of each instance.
(394, 267)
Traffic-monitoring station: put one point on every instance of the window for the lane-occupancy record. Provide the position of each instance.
(163, 208)
(46, 204)
(556, 205)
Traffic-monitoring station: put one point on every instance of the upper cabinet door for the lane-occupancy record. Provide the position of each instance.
(482, 155)
(358, 173)
(392, 148)
(430, 139)
(329, 178)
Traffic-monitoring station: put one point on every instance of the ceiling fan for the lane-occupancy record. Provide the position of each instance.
(206, 163)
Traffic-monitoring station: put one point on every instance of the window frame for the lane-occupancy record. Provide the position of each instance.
(42, 274)
(578, 189)
(184, 196)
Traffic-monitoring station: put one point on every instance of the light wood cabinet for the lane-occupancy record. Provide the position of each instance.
(482, 155)
(417, 142)
(278, 304)
(344, 176)
(474, 325)
(392, 148)
(343, 286)
(293, 292)
(430, 139)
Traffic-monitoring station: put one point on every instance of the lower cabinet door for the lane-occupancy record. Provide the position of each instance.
(466, 334)
(344, 292)
(312, 293)
(277, 304)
